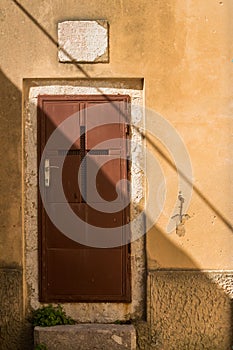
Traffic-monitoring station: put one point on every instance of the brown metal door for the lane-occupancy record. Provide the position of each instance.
(69, 270)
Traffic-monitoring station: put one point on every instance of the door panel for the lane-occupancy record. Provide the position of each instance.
(108, 175)
(96, 279)
(70, 169)
(108, 115)
(57, 112)
(70, 271)
(56, 239)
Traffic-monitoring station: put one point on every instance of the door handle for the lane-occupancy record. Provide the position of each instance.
(47, 168)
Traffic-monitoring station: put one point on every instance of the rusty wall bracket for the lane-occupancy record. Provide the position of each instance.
(180, 217)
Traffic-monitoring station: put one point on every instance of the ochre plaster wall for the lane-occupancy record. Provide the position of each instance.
(183, 50)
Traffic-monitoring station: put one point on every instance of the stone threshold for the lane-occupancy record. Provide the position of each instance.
(86, 337)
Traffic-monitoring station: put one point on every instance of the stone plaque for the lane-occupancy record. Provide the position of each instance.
(83, 41)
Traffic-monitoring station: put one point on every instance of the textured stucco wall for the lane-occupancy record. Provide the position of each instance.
(190, 310)
(183, 49)
(15, 333)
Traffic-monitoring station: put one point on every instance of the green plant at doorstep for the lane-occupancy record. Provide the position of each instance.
(50, 315)
(40, 347)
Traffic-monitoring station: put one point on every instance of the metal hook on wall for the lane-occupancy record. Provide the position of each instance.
(180, 217)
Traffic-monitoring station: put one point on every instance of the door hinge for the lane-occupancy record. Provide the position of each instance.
(127, 129)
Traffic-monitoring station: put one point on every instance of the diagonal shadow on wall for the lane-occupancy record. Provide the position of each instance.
(184, 307)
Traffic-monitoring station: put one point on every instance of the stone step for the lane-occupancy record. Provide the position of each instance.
(87, 337)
